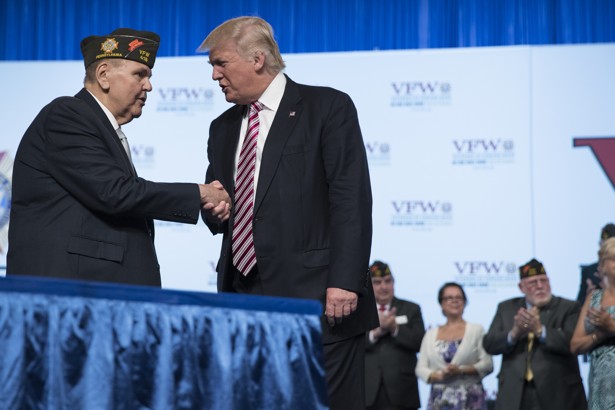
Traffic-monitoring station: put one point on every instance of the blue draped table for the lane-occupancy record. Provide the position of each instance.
(81, 345)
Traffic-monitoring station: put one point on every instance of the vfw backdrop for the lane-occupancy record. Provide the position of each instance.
(480, 159)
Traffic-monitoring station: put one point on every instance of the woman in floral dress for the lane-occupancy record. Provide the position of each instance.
(452, 358)
(595, 332)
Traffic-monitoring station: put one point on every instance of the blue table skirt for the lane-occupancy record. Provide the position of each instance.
(75, 345)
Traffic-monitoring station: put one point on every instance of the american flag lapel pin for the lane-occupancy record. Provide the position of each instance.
(291, 114)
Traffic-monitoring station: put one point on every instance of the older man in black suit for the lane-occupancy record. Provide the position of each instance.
(302, 224)
(390, 356)
(79, 210)
(532, 334)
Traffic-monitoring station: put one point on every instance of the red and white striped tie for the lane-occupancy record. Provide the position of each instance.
(244, 256)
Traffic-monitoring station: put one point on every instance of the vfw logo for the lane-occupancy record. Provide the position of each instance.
(483, 151)
(421, 212)
(184, 99)
(143, 155)
(485, 267)
(378, 152)
(421, 94)
(485, 274)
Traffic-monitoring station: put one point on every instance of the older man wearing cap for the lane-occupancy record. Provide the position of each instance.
(390, 357)
(79, 210)
(590, 279)
(532, 334)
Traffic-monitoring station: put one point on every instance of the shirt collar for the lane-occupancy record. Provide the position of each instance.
(387, 305)
(272, 96)
(110, 116)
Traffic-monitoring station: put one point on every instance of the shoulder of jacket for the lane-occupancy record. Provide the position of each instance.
(511, 302)
(406, 302)
(66, 105)
(564, 301)
(320, 91)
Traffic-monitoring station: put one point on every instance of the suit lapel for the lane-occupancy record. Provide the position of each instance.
(545, 311)
(85, 96)
(286, 118)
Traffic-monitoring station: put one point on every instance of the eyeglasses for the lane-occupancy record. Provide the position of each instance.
(453, 298)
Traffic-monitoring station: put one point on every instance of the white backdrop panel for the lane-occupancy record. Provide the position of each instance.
(471, 157)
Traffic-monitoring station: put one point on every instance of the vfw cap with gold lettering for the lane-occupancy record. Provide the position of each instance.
(126, 43)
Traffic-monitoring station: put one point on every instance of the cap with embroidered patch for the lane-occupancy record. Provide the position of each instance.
(125, 43)
(532, 268)
(379, 270)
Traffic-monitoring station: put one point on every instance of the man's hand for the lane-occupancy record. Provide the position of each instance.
(215, 202)
(340, 304)
(522, 324)
(387, 321)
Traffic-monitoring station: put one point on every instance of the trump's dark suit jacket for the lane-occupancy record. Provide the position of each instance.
(78, 209)
(312, 213)
(393, 359)
(556, 370)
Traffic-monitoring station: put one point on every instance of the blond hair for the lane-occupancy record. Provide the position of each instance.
(607, 250)
(251, 35)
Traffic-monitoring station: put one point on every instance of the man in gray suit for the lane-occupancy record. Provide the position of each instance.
(390, 357)
(532, 334)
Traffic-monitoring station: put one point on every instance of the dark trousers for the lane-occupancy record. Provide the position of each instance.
(383, 402)
(529, 399)
(345, 369)
(344, 360)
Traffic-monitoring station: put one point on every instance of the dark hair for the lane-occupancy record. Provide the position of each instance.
(448, 285)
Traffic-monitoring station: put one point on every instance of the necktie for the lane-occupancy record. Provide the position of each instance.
(529, 374)
(244, 256)
(382, 308)
(124, 142)
(531, 338)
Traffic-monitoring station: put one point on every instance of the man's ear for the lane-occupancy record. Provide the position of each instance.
(259, 60)
(102, 75)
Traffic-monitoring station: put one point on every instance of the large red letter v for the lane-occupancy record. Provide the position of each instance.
(604, 150)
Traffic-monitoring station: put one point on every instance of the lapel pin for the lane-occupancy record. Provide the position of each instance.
(291, 114)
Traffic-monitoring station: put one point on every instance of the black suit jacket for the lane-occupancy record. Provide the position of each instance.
(587, 272)
(312, 221)
(556, 370)
(78, 209)
(392, 360)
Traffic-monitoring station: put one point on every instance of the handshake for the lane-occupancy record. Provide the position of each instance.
(215, 202)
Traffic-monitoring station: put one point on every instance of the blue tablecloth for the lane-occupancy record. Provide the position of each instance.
(80, 345)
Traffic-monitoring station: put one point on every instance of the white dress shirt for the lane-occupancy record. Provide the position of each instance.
(271, 99)
(115, 125)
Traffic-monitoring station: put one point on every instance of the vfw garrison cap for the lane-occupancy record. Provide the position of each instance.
(125, 43)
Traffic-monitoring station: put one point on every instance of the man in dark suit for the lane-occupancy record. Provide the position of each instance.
(590, 279)
(302, 217)
(79, 210)
(390, 356)
(533, 336)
